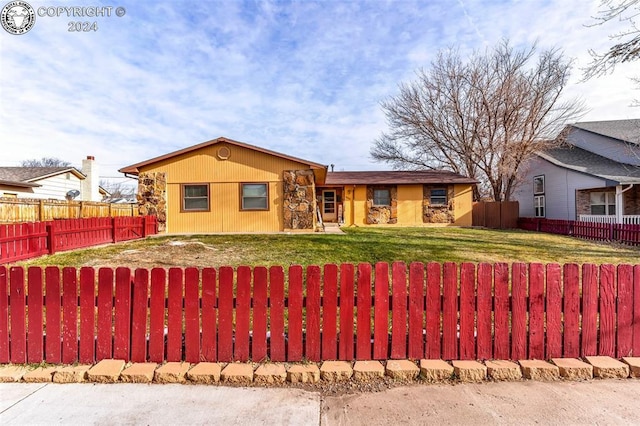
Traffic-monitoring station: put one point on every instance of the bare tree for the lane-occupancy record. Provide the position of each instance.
(45, 162)
(627, 42)
(483, 117)
(118, 189)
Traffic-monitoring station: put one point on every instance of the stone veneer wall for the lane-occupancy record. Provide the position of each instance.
(152, 196)
(382, 214)
(299, 199)
(437, 214)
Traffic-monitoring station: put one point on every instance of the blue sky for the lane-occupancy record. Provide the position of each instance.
(304, 78)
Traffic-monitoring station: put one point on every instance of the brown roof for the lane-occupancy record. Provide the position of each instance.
(395, 177)
(134, 168)
(30, 174)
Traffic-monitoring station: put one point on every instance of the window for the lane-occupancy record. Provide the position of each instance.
(538, 185)
(255, 196)
(438, 197)
(603, 203)
(195, 197)
(538, 205)
(381, 197)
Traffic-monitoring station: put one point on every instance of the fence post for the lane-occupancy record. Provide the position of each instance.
(113, 230)
(611, 232)
(51, 238)
(144, 226)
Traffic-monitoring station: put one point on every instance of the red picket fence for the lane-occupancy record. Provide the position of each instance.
(626, 234)
(27, 240)
(344, 312)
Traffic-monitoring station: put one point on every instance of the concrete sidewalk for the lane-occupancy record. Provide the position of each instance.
(141, 404)
(521, 403)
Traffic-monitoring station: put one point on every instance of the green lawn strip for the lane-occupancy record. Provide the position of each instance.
(362, 245)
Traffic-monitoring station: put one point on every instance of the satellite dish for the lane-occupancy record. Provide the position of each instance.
(72, 194)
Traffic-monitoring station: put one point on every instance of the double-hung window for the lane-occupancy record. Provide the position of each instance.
(254, 196)
(195, 197)
(381, 197)
(538, 205)
(603, 203)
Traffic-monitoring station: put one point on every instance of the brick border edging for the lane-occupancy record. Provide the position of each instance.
(426, 370)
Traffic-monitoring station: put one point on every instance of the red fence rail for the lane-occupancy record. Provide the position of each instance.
(343, 312)
(27, 240)
(622, 233)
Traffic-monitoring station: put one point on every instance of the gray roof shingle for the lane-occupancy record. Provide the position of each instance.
(624, 130)
(580, 160)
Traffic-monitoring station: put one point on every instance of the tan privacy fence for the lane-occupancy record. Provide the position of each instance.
(14, 210)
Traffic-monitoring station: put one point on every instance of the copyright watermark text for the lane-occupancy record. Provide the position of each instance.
(18, 17)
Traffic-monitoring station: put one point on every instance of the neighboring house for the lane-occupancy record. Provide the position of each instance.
(594, 177)
(58, 183)
(227, 186)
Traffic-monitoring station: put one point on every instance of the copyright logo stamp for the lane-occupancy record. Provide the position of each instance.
(17, 17)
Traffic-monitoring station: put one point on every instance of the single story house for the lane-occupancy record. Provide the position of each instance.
(228, 186)
(57, 183)
(593, 176)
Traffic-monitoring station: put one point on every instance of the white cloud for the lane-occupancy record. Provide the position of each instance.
(303, 78)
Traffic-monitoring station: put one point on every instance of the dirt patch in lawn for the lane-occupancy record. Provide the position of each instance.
(172, 253)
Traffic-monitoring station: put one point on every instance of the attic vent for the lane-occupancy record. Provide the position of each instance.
(224, 153)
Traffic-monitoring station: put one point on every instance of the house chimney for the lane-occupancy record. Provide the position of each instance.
(90, 184)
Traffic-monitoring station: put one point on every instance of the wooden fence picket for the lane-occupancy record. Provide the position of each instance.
(363, 315)
(243, 314)
(276, 314)
(122, 314)
(312, 312)
(87, 315)
(295, 313)
(18, 303)
(53, 316)
(35, 336)
(467, 311)
(209, 315)
(192, 315)
(346, 337)
(260, 304)
(398, 310)
(434, 308)
(607, 337)
(330, 312)
(381, 312)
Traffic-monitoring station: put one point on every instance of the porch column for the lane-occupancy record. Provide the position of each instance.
(619, 203)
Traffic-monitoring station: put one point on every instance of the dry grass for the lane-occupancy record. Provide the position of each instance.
(358, 245)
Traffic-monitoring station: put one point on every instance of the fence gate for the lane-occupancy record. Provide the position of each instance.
(496, 214)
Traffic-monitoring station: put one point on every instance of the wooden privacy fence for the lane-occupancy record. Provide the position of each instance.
(28, 240)
(14, 210)
(496, 214)
(344, 312)
(622, 233)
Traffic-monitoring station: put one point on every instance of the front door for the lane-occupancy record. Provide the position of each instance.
(329, 211)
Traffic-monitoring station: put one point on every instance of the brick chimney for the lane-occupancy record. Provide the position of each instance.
(91, 183)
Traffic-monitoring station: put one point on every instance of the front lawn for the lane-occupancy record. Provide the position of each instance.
(358, 245)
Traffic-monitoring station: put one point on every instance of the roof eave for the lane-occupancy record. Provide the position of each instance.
(19, 184)
(135, 168)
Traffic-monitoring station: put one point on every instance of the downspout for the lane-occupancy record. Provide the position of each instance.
(620, 201)
(352, 214)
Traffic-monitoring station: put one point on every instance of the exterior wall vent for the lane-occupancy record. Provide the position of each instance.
(224, 152)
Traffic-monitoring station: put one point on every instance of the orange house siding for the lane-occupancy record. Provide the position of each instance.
(224, 177)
